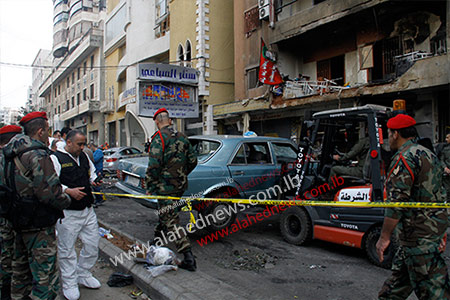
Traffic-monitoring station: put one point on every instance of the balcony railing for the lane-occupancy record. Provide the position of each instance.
(298, 89)
(90, 105)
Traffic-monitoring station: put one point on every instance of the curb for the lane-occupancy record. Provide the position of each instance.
(178, 285)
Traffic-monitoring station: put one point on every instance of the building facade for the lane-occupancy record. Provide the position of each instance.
(201, 37)
(74, 89)
(41, 68)
(335, 54)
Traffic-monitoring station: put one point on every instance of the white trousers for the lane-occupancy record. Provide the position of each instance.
(82, 224)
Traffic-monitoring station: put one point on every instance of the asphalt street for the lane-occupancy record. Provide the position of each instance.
(259, 263)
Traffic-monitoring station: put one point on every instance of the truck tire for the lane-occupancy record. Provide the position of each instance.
(295, 226)
(212, 208)
(370, 247)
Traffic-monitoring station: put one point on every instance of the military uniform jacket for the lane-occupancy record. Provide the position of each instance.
(171, 159)
(415, 175)
(359, 151)
(42, 181)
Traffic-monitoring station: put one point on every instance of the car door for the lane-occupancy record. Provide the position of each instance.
(253, 169)
(285, 156)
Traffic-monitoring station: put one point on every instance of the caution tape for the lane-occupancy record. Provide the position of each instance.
(188, 201)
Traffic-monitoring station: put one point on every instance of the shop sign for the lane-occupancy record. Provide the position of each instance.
(127, 96)
(167, 73)
(179, 100)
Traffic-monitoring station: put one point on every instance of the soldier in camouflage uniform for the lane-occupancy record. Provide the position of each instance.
(445, 158)
(172, 158)
(6, 232)
(358, 152)
(415, 175)
(34, 269)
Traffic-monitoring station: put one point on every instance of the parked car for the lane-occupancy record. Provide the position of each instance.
(226, 165)
(112, 156)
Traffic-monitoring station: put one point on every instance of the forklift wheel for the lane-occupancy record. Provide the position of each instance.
(370, 247)
(295, 226)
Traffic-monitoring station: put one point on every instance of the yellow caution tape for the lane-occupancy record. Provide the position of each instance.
(289, 202)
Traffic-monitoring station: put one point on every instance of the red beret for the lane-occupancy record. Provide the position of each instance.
(33, 115)
(159, 111)
(401, 121)
(10, 129)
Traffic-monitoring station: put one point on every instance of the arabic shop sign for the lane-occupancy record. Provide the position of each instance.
(179, 100)
(355, 195)
(167, 73)
(126, 97)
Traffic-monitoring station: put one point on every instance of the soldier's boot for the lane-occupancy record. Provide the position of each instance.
(6, 290)
(189, 261)
(158, 234)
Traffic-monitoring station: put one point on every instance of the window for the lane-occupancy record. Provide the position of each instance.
(68, 82)
(251, 20)
(59, 109)
(253, 153)
(73, 78)
(73, 101)
(84, 68)
(84, 94)
(78, 74)
(332, 69)
(67, 104)
(204, 148)
(252, 78)
(92, 92)
(55, 92)
(92, 62)
(161, 10)
(61, 17)
(284, 152)
(76, 7)
(78, 99)
(180, 54)
(188, 54)
(115, 25)
(59, 89)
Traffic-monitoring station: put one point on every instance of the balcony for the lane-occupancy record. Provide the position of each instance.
(107, 106)
(90, 105)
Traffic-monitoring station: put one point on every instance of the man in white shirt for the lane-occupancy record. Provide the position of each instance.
(77, 173)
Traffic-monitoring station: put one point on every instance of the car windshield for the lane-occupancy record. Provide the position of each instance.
(204, 148)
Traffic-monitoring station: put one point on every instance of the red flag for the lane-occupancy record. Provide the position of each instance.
(268, 72)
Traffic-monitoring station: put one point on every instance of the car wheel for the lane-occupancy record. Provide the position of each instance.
(295, 226)
(213, 208)
(370, 246)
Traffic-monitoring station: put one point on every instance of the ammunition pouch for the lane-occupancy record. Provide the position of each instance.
(29, 213)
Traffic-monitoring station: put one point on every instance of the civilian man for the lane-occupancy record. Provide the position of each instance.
(77, 172)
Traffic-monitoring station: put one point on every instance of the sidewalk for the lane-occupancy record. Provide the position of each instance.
(181, 284)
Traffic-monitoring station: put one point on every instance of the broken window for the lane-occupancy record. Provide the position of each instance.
(332, 69)
(384, 53)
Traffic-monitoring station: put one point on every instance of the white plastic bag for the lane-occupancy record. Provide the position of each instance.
(161, 260)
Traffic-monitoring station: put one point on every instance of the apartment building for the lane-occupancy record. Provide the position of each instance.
(201, 37)
(74, 89)
(41, 68)
(335, 54)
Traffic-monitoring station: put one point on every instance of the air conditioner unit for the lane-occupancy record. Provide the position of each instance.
(263, 7)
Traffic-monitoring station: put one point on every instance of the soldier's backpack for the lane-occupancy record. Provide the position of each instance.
(23, 212)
